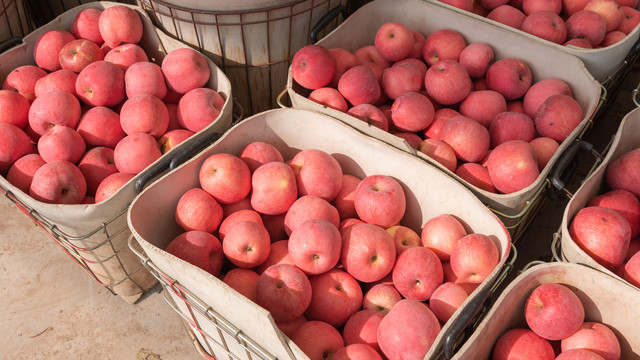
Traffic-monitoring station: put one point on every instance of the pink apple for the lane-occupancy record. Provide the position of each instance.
(359, 85)
(440, 118)
(226, 177)
(357, 352)
(531, 6)
(126, 55)
(622, 172)
(329, 97)
(412, 139)
(343, 202)
(314, 246)
(23, 80)
(58, 182)
(120, 24)
(173, 138)
(394, 41)
(466, 5)
(336, 296)
(380, 200)
(371, 115)
(476, 58)
(476, 175)
(274, 225)
(553, 311)
(439, 151)
(447, 82)
(317, 173)
(578, 354)
(368, 252)
(266, 198)
(229, 221)
(111, 184)
(77, 54)
(408, 330)
(412, 112)
(440, 234)
(403, 237)
(630, 20)
(612, 37)
(522, 343)
(512, 166)
(14, 109)
(622, 201)
(381, 297)
(291, 326)
(545, 148)
(198, 108)
(509, 76)
(85, 25)
(570, 7)
(542, 90)
(54, 108)
(586, 24)
(474, 257)
(136, 152)
(145, 77)
(483, 106)
(345, 60)
(318, 340)
(596, 337)
(242, 281)
(558, 116)
(468, 138)
(100, 126)
(278, 254)
(546, 25)
(144, 113)
(258, 153)
(101, 83)
(511, 126)
(284, 290)
(198, 210)
(185, 69)
(57, 80)
(443, 44)
(507, 15)
(369, 56)
(61, 143)
(246, 244)
(631, 270)
(20, 174)
(313, 66)
(446, 299)
(47, 47)
(417, 273)
(199, 248)
(96, 164)
(401, 78)
(309, 207)
(610, 11)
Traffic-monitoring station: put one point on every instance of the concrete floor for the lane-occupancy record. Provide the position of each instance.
(51, 309)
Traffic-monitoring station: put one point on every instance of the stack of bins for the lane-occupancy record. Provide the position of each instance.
(224, 321)
(95, 235)
(516, 209)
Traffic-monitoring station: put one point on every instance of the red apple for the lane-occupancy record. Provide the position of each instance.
(313, 67)
(553, 311)
(622, 173)
(440, 234)
(509, 76)
(624, 202)
(510, 125)
(77, 54)
(278, 254)
(483, 106)
(545, 148)
(588, 25)
(476, 58)
(439, 151)
(371, 115)
(258, 153)
(380, 200)
(20, 174)
(317, 173)
(610, 11)
(443, 44)
(359, 85)
(23, 80)
(198, 108)
(96, 164)
(284, 290)
(412, 112)
(85, 25)
(596, 337)
(145, 77)
(512, 166)
(318, 340)
(403, 237)
(446, 299)
(381, 297)
(507, 15)
(120, 24)
(242, 281)
(54, 108)
(393, 41)
(198, 210)
(100, 126)
(58, 182)
(111, 184)
(474, 257)
(199, 248)
(47, 47)
(330, 97)
(136, 152)
(14, 109)
(246, 244)
(417, 273)
(521, 343)
(447, 82)
(61, 143)
(368, 252)
(314, 246)
(230, 220)
(546, 25)
(468, 138)
(476, 175)
(336, 296)
(343, 202)
(558, 116)
(266, 197)
(101, 83)
(185, 69)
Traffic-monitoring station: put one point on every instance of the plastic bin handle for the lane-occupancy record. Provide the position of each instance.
(9, 43)
(559, 172)
(325, 20)
(463, 321)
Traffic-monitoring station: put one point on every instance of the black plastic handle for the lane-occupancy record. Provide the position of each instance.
(462, 321)
(9, 43)
(193, 148)
(325, 20)
(565, 166)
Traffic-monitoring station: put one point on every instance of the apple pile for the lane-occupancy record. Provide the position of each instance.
(588, 24)
(95, 111)
(326, 254)
(608, 227)
(482, 118)
(556, 329)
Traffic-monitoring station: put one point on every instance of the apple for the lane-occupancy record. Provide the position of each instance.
(371, 115)
(77, 54)
(401, 78)
(612, 37)
(111, 184)
(100, 126)
(57, 80)
(278, 254)
(631, 270)
(545, 148)
(540, 91)
(173, 138)
(314, 246)
(317, 173)
(246, 244)
(468, 138)
(509, 76)
(185, 69)
(443, 44)
(630, 20)
(417, 273)
(120, 24)
(14, 109)
(596, 337)
(96, 164)
(242, 281)
(126, 55)
(144, 77)
(447, 82)
(357, 352)
(558, 116)
(274, 225)
(101, 83)
(136, 152)
(359, 85)
(343, 202)
(54, 108)
(569, 7)
(369, 56)
(380, 200)
(229, 221)
(634, 247)
(381, 297)
(394, 41)
(198, 210)
(266, 197)
(622, 201)
(473, 258)
(58, 182)
(412, 112)
(476, 175)
(578, 354)
(586, 24)
(466, 5)
(408, 330)
(553, 311)
(85, 25)
(440, 118)
(318, 340)
(308, 207)
(368, 252)
(512, 166)
(257, 153)
(440, 234)
(403, 237)
(439, 151)
(61, 143)
(610, 11)
(199, 248)
(329, 97)
(284, 290)
(476, 58)
(23, 80)
(199, 108)
(546, 25)
(226, 177)
(522, 343)
(531, 6)
(446, 299)
(603, 233)
(21, 172)
(483, 106)
(345, 60)
(313, 67)
(47, 47)
(336, 296)
(510, 125)
(418, 45)
(507, 15)
(622, 173)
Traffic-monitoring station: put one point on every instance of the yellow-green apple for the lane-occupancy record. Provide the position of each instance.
(229, 220)
(594, 336)
(476, 58)
(345, 60)
(343, 202)
(473, 258)
(145, 77)
(57, 80)
(46, 49)
(522, 343)
(314, 246)
(185, 69)
(540, 91)
(100, 126)
(258, 153)
(242, 281)
(507, 15)
(586, 24)
(558, 116)
(440, 118)
(199, 248)
(370, 114)
(111, 184)
(622, 201)
(443, 44)
(394, 41)
(54, 108)
(359, 85)
(570, 7)
(120, 24)
(273, 188)
(198, 108)
(603, 233)
(401, 78)
(630, 20)
(85, 25)
(61, 143)
(313, 66)
(408, 330)
(284, 290)
(291, 326)
(23, 80)
(631, 270)
(412, 112)
(483, 106)
(403, 237)
(58, 182)
(468, 138)
(246, 244)
(101, 83)
(380, 200)
(357, 351)
(446, 299)
(317, 173)
(476, 175)
(578, 354)
(278, 254)
(440, 234)
(466, 5)
(512, 166)
(368, 252)
(369, 56)
(317, 339)
(439, 151)
(553, 311)
(531, 6)
(329, 97)
(336, 295)
(126, 55)
(14, 109)
(509, 76)
(380, 298)
(135, 152)
(226, 177)
(77, 54)
(545, 148)
(20, 174)
(173, 138)
(417, 273)
(447, 82)
(511, 125)
(612, 37)
(96, 164)
(546, 25)
(144, 113)
(610, 11)
(198, 210)
(309, 207)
